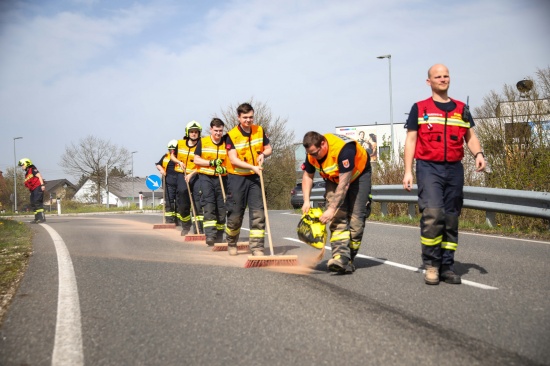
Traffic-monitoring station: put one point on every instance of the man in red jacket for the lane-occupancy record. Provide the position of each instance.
(35, 183)
(436, 131)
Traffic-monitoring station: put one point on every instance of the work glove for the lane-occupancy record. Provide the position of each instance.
(221, 169)
(216, 162)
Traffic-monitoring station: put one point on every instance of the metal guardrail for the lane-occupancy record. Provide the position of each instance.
(490, 200)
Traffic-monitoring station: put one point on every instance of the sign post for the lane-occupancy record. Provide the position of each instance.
(153, 182)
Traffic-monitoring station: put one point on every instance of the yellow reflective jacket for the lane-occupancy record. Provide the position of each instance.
(248, 148)
(211, 151)
(329, 169)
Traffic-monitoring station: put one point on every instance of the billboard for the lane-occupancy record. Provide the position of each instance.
(366, 136)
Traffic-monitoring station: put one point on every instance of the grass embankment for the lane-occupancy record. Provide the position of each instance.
(15, 249)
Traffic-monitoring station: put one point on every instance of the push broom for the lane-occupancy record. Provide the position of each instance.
(220, 247)
(198, 236)
(272, 259)
(164, 225)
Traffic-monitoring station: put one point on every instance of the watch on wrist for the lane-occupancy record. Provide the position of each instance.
(481, 152)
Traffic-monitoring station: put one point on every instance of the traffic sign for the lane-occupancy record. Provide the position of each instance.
(153, 182)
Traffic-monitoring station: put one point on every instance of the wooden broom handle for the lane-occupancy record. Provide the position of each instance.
(266, 215)
(192, 204)
(221, 184)
(165, 194)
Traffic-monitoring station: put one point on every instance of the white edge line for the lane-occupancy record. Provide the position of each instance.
(67, 348)
(409, 268)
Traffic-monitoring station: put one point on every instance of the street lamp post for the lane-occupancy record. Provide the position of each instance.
(391, 103)
(133, 152)
(15, 176)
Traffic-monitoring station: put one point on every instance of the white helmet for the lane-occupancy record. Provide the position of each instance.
(172, 144)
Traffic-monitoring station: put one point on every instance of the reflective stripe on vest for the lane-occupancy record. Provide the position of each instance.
(187, 155)
(441, 136)
(211, 151)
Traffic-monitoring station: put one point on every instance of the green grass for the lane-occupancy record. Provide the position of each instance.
(15, 249)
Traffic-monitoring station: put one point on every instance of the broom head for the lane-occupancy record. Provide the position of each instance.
(164, 226)
(271, 260)
(194, 237)
(222, 247)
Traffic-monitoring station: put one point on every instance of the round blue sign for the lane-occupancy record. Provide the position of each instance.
(153, 182)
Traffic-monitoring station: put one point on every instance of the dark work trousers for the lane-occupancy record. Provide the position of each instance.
(184, 203)
(440, 198)
(348, 225)
(243, 191)
(170, 189)
(37, 203)
(213, 206)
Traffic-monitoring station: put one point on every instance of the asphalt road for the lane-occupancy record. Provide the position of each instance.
(146, 297)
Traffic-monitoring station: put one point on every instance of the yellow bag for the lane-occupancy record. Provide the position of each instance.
(310, 230)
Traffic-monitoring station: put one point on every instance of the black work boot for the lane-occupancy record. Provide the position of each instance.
(340, 265)
(448, 275)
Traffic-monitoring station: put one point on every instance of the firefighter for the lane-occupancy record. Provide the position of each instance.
(210, 157)
(247, 147)
(436, 131)
(35, 183)
(166, 168)
(345, 166)
(183, 156)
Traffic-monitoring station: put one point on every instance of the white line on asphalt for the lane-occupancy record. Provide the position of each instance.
(67, 348)
(409, 268)
(461, 232)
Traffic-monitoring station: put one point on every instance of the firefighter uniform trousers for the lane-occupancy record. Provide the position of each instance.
(171, 185)
(440, 199)
(213, 206)
(37, 203)
(348, 224)
(243, 190)
(184, 203)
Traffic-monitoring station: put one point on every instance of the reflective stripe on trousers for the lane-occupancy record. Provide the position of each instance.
(440, 199)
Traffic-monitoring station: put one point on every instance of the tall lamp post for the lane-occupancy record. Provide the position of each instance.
(391, 103)
(15, 175)
(133, 152)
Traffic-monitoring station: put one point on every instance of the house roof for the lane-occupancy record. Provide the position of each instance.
(54, 184)
(123, 187)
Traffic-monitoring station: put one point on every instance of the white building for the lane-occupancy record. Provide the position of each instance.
(122, 193)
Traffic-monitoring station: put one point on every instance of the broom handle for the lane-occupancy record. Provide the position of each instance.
(165, 194)
(223, 190)
(266, 215)
(192, 204)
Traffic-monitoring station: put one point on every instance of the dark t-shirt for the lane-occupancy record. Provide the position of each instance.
(412, 120)
(346, 154)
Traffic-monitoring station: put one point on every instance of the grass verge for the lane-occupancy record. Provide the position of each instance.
(15, 250)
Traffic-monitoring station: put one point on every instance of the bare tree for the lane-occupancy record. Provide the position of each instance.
(279, 177)
(92, 157)
(514, 131)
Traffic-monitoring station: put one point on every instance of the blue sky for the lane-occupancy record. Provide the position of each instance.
(135, 72)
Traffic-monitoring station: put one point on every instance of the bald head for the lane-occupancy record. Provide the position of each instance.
(439, 81)
(437, 67)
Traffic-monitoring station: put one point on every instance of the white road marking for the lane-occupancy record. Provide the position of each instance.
(407, 267)
(67, 348)
(461, 232)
